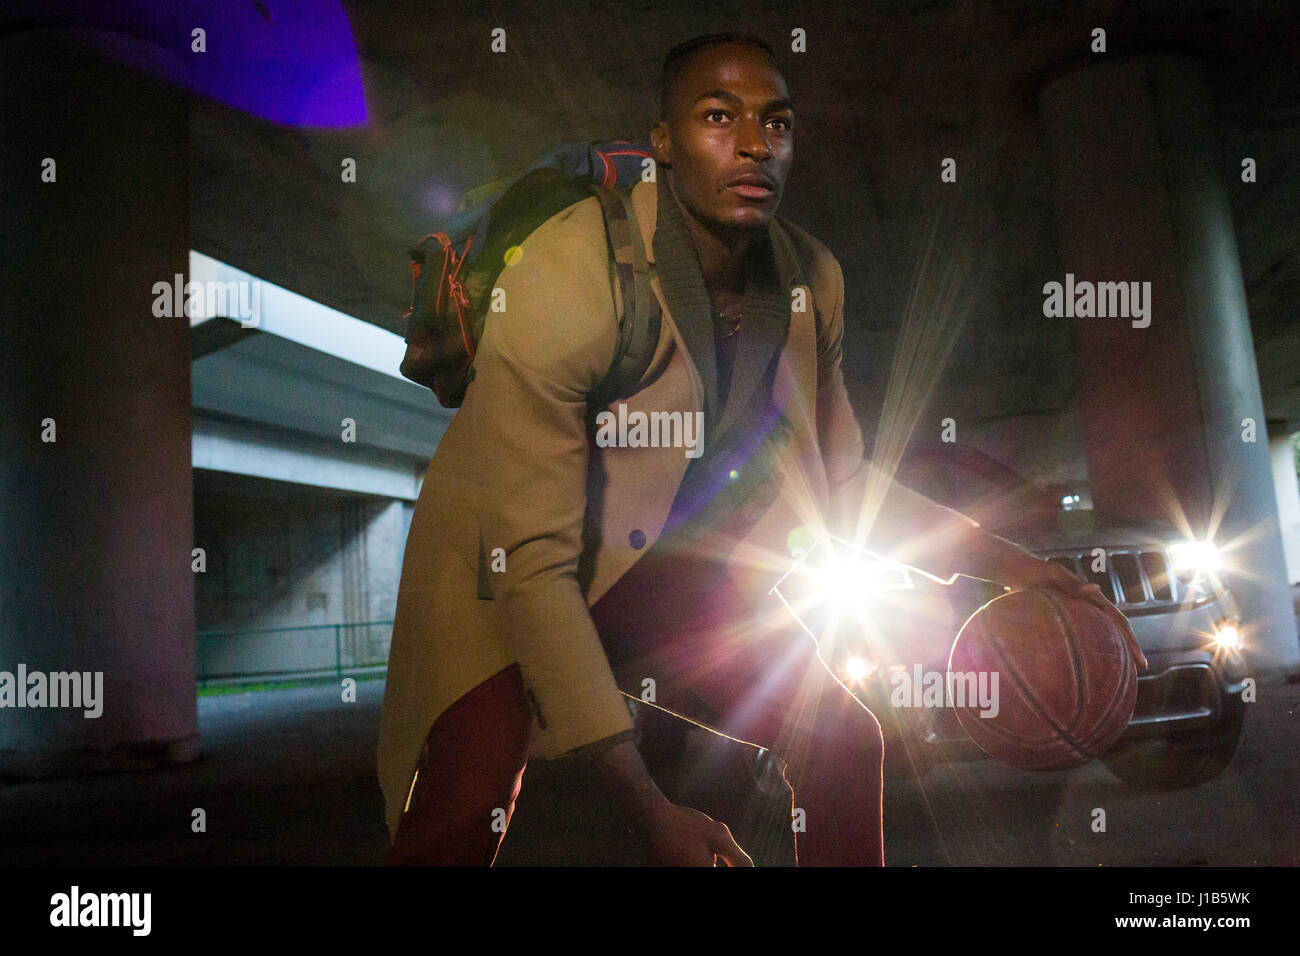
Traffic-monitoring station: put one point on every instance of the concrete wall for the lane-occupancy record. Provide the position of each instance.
(281, 555)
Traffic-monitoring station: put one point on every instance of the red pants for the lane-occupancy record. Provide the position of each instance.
(772, 691)
(469, 776)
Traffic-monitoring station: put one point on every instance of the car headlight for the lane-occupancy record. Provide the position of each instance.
(1228, 637)
(1195, 557)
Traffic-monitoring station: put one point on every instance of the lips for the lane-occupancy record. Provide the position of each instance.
(753, 186)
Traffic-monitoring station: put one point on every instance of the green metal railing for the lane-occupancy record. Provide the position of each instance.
(205, 639)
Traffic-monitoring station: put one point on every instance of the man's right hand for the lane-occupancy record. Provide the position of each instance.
(669, 835)
(680, 836)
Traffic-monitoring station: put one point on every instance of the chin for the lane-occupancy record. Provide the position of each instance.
(752, 224)
(740, 220)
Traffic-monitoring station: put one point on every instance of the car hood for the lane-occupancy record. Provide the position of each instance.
(1101, 536)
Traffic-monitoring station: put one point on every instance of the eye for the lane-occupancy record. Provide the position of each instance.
(785, 123)
(715, 113)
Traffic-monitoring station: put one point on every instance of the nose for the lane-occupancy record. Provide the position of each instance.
(751, 141)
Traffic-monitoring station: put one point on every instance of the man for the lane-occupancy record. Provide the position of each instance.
(540, 561)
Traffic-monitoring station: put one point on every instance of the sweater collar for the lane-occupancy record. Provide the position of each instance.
(765, 309)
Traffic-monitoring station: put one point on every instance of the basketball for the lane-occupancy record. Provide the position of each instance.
(1063, 679)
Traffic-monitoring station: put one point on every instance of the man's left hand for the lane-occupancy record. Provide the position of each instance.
(1023, 573)
(1029, 572)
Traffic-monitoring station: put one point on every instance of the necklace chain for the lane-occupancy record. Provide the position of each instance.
(724, 327)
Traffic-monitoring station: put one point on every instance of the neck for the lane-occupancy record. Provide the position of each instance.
(723, 254)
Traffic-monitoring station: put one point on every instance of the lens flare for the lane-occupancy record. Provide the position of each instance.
(858, 668)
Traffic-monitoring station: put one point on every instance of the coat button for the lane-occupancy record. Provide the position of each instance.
(637, 539)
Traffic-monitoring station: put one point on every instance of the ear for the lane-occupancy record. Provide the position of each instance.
(661, 143)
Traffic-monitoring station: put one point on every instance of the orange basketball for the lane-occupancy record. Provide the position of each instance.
(1060, 680)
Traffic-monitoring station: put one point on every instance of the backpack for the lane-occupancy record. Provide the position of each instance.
(453, 271)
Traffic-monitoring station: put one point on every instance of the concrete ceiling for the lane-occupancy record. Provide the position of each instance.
(883, 90)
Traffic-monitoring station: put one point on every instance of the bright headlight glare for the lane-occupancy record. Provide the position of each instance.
(1199, 556)
(1228, 637)
(849, 580)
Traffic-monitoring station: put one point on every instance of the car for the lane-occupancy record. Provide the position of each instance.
(1190, 701)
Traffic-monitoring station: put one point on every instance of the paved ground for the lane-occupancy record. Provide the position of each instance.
(287, 778)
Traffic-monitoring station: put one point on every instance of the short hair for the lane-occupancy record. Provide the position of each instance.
(679, 55)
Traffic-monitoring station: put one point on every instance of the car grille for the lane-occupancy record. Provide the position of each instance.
(1130, 577)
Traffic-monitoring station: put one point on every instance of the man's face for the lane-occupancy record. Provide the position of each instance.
(728, 116)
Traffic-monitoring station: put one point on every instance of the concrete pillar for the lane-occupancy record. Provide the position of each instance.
(1173, 418)
(96, 526)
(1287, 487)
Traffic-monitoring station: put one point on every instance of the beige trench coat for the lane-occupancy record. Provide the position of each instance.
(511, 473)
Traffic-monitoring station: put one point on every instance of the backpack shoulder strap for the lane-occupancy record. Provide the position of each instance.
(638, 330)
